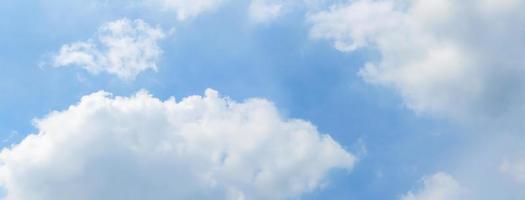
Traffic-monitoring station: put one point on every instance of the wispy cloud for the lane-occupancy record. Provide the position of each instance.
(123, 48)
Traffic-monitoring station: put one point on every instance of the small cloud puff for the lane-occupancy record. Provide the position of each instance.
(440, 186)
(123, 48)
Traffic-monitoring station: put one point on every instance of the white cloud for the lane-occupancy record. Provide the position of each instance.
(123, 48)
(262, 11)
(459, 59)
(440, 186)
(140, 147)
(354, 26)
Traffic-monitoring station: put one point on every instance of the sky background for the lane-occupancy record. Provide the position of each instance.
(305, 78)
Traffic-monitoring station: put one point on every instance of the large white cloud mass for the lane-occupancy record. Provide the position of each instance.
(439, 186)
(123, 48)
(459, 59)
(140, 147)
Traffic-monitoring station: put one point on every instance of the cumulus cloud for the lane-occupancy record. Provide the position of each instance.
(140, 147)
(354, 26)
(440, 186)
(459, 59)
(123, 48)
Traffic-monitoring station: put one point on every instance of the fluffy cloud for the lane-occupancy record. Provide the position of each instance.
(140, 147)
(123, 48)
(459, 59)
(354, 26)
(440, 186)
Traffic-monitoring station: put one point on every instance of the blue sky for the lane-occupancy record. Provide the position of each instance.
(397, 141)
